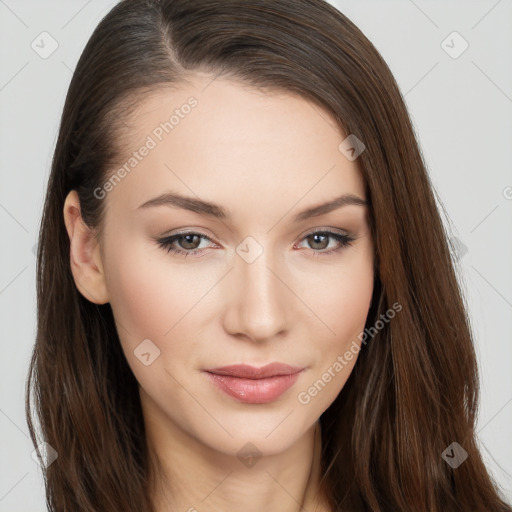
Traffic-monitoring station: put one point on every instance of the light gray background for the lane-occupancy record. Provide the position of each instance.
(461, 108)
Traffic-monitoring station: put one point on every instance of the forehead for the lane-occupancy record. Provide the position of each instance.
(223, 138)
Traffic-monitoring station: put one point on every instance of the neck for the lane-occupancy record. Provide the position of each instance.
(187, 476)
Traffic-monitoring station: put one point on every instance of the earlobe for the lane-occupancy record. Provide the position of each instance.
(84, 253)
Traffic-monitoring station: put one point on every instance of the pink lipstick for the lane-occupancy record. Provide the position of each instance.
(254, 385)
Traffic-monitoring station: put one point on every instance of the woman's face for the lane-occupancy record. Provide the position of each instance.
(252, 286)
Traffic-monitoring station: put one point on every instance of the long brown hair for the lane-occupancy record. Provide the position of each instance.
(414, 388)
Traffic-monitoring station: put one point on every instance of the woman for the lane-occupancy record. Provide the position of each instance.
(245, 290)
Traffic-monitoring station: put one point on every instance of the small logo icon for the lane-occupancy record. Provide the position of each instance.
(351, 147)
(147, 352)
(44, 454)
(44, 45)
(249, 455)
(249, 249)
(454, 45)
(458, 249)
(455, 455)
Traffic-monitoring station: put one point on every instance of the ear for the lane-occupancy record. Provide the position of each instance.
(85, 257)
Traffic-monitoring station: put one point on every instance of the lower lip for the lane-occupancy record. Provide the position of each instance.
(254, 391)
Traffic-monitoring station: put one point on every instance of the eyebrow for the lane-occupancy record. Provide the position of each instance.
(214, 210)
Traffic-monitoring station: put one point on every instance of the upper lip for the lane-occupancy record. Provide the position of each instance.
(252, 372)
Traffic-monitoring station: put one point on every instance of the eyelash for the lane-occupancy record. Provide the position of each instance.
(167, 243)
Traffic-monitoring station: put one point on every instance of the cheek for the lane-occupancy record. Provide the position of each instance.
(141, 302)
(152, 299)
(341, 299)
(147, 296)
(342, 304)
(149, 302)
(349, 309)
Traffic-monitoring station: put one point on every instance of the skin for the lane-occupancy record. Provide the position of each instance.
(264, 157)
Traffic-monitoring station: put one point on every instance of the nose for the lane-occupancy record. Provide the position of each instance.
(259, 303)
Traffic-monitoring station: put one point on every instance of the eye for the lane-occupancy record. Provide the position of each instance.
(319, 241)
(188, 243)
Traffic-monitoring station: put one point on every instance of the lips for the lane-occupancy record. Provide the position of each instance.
(254, 385)
(252, 372)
